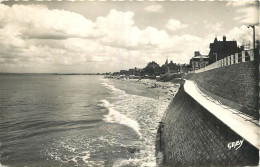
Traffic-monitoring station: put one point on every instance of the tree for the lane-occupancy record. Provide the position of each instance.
(163, 69)
(150, 68)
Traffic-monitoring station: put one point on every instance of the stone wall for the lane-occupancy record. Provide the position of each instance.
(237, 83)
(191, 136)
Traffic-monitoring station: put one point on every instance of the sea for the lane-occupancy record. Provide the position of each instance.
(75, 120)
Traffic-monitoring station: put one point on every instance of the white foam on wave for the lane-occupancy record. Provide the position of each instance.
(2, 165)
(86, 156)
(144, 162)
(113, 89)
(148, 112)
(115, 116)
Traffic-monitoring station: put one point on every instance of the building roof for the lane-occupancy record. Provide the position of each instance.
(172, 66)
(183, 64)
(228, 47)
(201, 56)
(197, 53)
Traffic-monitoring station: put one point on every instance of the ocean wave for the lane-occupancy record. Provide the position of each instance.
(113, 89)
(79, 154)
(115, 116)
(148, 113)
(144, 110)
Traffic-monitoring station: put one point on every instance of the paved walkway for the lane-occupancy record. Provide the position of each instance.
(242, 124)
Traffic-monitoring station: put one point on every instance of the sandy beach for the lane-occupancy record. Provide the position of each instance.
(163, 91)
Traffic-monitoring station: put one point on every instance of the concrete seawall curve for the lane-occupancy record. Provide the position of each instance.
(239, 122)
(192, 136)
(237, 83)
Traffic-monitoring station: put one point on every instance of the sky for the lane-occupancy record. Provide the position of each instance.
(108, 36)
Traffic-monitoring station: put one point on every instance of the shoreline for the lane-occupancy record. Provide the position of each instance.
(162, 91)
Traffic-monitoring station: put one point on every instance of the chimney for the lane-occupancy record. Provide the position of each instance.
(224, 38)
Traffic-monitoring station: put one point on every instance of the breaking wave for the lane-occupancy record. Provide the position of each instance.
(116, 117)
(140, 113)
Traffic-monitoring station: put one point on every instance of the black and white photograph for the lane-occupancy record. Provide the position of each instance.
(129, 83)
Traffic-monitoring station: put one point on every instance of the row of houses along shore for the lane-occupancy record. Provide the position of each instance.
(222, 53)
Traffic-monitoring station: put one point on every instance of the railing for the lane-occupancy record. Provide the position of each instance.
(233, 59)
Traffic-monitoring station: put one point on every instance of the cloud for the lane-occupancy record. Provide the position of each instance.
(36, 39)
(28, 37)
(122, 33)
(154, 8)
(248, 15)
(118, 26)
(239, 3)
(213, 26)
(174, 25)
(34, 21)
(247, 11)
(243, 35)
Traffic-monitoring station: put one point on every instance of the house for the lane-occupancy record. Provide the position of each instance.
(222, 49)
(171, 68)
(199, 61)
(184, 68)
(131, 71)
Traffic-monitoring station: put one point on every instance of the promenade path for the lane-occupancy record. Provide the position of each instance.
(240, 123)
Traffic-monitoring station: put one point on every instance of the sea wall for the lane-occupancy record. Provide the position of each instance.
(237, 83)
(191, 136)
